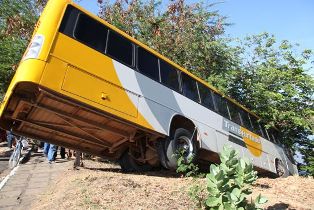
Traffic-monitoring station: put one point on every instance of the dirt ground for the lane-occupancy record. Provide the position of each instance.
(4, 150)
(5, 153)
(103, 186)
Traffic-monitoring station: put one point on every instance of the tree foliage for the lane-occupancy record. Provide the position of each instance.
(307, 149)
(273, 82)
(17, 20)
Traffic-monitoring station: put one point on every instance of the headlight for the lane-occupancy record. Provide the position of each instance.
(34, 47)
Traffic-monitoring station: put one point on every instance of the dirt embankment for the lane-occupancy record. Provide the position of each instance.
(103, 186)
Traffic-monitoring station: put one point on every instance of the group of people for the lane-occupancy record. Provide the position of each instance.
(50, 151)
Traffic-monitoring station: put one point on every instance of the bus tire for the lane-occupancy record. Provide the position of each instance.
(280, 169)
(129, 164)
(181, 140)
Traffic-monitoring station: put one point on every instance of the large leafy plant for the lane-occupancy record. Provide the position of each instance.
(228, 184)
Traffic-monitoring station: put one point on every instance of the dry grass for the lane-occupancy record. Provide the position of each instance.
(103, 186)
(293, 192)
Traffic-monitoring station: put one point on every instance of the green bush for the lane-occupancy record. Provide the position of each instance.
(228, 184)
(185, 166)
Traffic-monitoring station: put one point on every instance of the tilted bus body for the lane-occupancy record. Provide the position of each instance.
(86, 85)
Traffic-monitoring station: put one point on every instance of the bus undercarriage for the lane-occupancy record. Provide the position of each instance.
(40, 114)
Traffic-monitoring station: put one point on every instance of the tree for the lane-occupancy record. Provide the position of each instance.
(17, 20)
(308, 158)
(272, 81)
(190, 35)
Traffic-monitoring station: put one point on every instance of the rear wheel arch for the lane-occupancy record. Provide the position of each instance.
(179, 121)
(182, 133)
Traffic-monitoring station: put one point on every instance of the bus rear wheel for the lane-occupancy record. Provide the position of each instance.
(181, 142)
(280, 169)
(130, 164)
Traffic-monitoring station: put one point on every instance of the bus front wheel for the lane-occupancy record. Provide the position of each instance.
(181, 144)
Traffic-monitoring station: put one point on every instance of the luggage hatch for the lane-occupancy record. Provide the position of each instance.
(100, 91)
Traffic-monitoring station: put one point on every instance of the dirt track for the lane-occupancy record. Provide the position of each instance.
(103, 186)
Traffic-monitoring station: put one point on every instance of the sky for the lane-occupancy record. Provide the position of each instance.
(287, 19)
(292, 20)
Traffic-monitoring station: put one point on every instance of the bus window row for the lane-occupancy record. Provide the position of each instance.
(94, 34)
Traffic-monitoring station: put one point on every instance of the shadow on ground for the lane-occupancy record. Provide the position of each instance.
(279, 206)
(159, 172)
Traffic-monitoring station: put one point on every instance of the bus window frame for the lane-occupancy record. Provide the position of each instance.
(264, 131)
(195, 81)
(138, 70)
(268, 137)
(159, 73)
(209, 95)
(236, 109)
(133, 46)
(241, 113)
(75, 22)
(85, 43)
(177, 73)
(216, 105)
(198, 93)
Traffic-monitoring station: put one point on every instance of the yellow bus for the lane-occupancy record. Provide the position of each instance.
(84, 84)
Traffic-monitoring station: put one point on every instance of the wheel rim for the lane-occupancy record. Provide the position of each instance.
(280, 169)
(185, 144)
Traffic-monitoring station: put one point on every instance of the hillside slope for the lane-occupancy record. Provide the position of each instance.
(103, 186)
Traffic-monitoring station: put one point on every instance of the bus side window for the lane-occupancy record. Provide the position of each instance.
(169, 75)
(234, 112)
(206, 96)
(189, 87)
(68, 21)
(256, 125)
(273, 134)
(269, 135)
(245, 119)
(147, 64)
(265, 134)
(91, 33)
(221, 105)
(120, 49)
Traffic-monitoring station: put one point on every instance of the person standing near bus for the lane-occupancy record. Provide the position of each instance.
(52, 153)
(62, 152)
(10, 138)
(46, 149)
